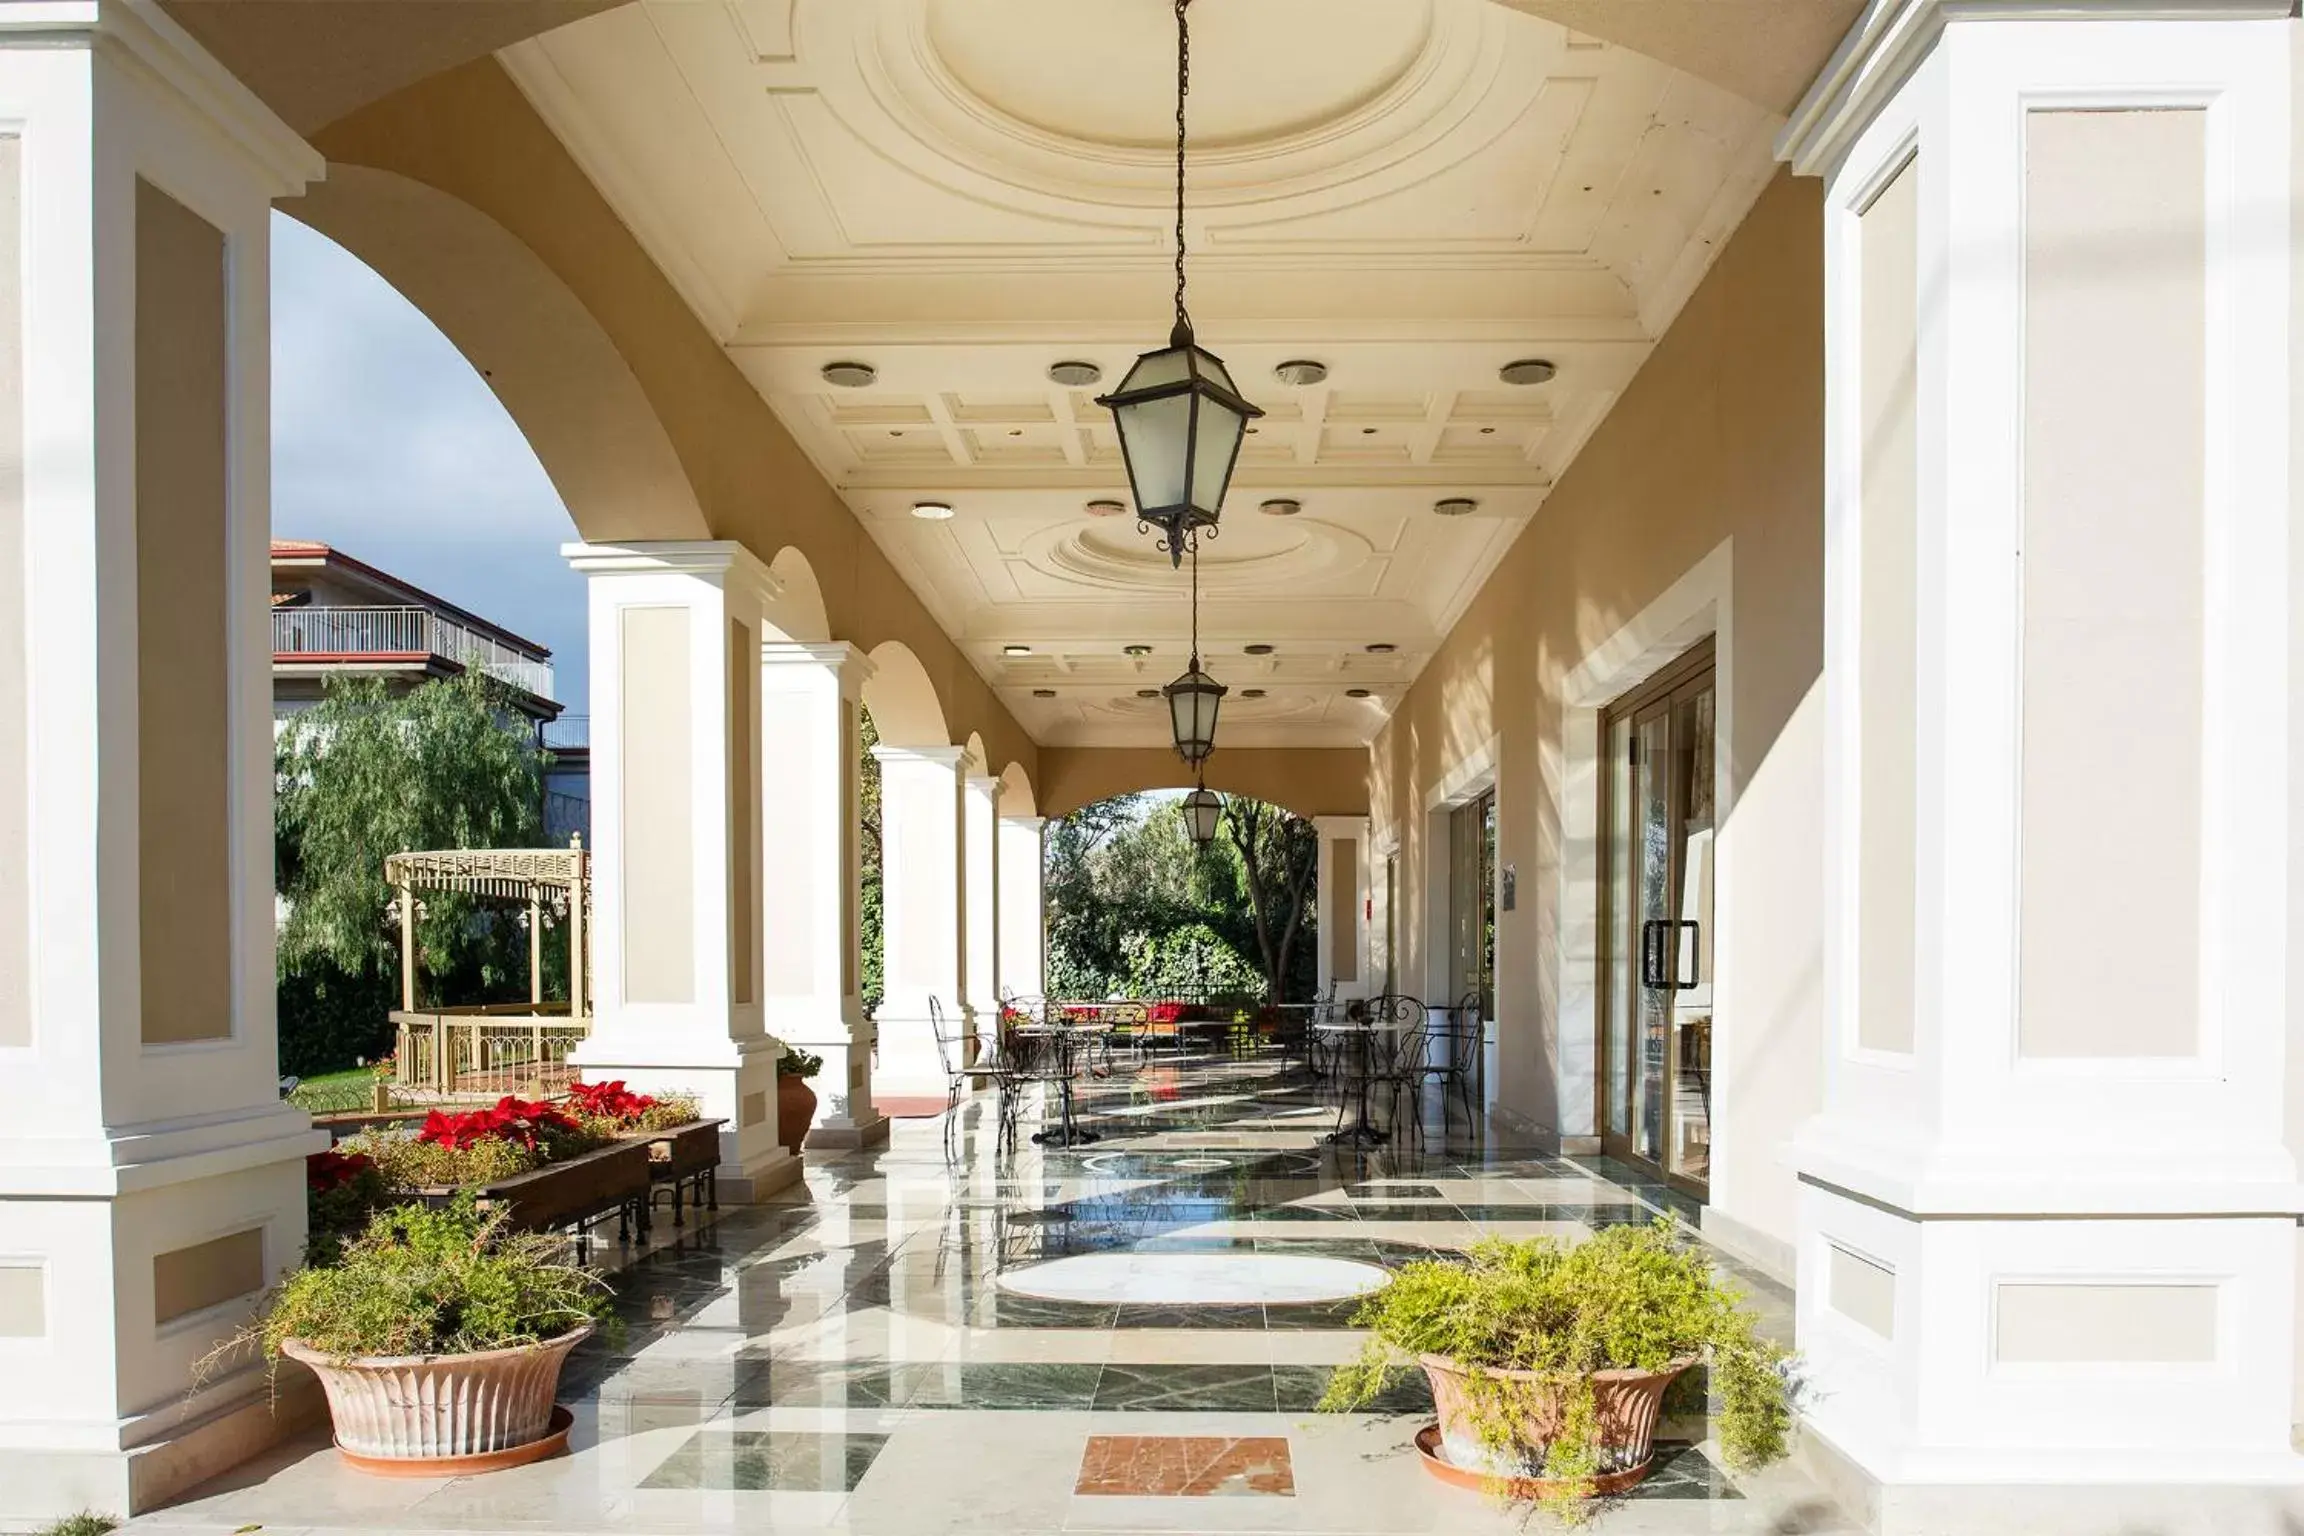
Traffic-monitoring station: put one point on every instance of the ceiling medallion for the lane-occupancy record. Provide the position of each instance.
(1179, 415)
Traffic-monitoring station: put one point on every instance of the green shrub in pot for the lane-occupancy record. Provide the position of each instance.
(1527, 1325)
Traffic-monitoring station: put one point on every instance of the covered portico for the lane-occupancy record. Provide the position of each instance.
(1767, 557)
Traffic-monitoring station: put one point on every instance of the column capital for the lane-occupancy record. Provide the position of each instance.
(172, 60)
(1026, 823)
(986, 783)
(848, 662)
(1340, 826)
(724, 562)
(942, 757)
(1892, 37)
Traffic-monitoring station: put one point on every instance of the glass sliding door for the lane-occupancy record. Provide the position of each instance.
(1656, 922)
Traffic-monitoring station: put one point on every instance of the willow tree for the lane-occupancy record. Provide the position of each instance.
(368, 772)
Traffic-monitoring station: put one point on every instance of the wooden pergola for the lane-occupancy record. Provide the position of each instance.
(533, 875)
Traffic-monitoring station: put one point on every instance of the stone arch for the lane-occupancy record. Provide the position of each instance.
(902, 699)
(797, 610)
(978, 762)
(1310, 781)
(1016, 796)
(548, 360)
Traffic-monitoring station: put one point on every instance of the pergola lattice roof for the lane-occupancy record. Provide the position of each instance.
(512, 873)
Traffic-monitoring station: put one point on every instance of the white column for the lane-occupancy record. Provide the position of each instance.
(2048, 1231)
(1343, 906)
(980, 842)
(1023, 923)
(922, 915)
(151, 1180)
(676, 844)
(810, 898)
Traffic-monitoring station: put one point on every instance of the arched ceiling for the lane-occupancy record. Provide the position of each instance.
(963, 192)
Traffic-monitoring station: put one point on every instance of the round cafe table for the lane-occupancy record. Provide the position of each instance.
(1064, 1042)
(1357, 1042)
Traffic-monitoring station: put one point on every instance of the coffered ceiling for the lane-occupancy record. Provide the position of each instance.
(961, 193)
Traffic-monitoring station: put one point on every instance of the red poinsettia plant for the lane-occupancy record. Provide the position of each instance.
(608, 1101)
(611, 1109)
(524, 1122)
(331, 1170)
(1164, 1013)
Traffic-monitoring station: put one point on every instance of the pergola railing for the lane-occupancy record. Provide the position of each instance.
(490, 1049)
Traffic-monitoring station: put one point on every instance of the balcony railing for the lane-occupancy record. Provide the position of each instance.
(342, 632)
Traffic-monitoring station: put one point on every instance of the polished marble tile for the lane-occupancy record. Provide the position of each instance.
(1391, 1189)
(1185, 1388)
(1185, 1466)
(755, 1460)
(1006, 1385)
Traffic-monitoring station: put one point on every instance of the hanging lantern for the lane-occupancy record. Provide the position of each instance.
(1202, 808)
(1193, 700)
(1179, 416)
(1181, 422)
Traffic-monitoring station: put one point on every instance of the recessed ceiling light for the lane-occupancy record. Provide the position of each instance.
(1301, 371)
(1356, 693)
(1280, 506)
(1251, 693)
(1528, 370)
(1043, 693)
(1382, 648)
(1015, 650)
(1105, 506)
(1074, 374)
(932, 511)
(849, 375)
(1147, 693)
(1257, 649)
(1136, 650)
(1455, 506)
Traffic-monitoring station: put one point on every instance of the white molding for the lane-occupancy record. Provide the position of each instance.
(1471, 776)
(723, 558)
(1697, 606)
(1888, 41)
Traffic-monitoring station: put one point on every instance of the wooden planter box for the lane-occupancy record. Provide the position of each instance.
(612, 1179)
(684, 1151)
(682, 1160)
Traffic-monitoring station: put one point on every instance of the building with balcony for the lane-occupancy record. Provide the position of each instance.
(337, 616)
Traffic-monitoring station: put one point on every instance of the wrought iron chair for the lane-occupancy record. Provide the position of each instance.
(1396, 1057)
(959, 1073)
(1452, 1042)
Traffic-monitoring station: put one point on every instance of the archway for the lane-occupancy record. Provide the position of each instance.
(540, 350)
(902, 699)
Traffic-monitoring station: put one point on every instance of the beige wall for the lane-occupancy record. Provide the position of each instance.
(15, 999)
(183, 719)
(1311, 781)
(1718, 439)
(470, 135)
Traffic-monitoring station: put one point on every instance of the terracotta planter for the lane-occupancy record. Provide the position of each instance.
(795, 1110)
(1626, 1402)
(416, 1412)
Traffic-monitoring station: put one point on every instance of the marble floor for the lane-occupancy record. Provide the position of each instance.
(848, 1358)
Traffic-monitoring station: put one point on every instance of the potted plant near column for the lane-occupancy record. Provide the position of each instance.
(1549, 1361)
(438, 1335)
(795, 1100)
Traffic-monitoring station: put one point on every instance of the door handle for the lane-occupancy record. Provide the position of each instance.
(1652, 953)
(1695, 965)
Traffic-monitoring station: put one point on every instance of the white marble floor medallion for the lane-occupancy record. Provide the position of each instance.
(1194, 1279)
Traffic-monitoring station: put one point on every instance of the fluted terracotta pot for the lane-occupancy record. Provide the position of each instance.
(795, 1110)
(492, 1408)
(1626, 1403)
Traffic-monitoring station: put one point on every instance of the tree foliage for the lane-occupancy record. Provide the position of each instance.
(367, 773)
(871, 903)
(1135, 909)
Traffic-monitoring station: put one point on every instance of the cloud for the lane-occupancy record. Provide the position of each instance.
(387, 444)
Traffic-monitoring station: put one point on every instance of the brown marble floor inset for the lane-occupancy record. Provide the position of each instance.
(1186, 1466)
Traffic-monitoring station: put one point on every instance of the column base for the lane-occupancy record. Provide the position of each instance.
(847, 1134)
(2269, 1503)
(910, 1070)
(43, 1483)
(2077, 1352)
(753, 1181)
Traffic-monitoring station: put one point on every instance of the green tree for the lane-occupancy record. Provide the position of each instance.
(367, 773)
(1135, 908)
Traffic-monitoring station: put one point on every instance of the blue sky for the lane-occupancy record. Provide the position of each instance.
(388, 445)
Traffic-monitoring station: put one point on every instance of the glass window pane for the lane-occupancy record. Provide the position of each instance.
(1154, 433)
(1218, 441)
